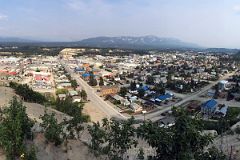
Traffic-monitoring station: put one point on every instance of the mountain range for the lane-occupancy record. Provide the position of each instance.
(143, 42)
(125, 42)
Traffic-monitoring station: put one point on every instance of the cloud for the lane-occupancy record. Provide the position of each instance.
(236, 8)
(77, 5)
(3, 17)
(86, 5)
(89, 6)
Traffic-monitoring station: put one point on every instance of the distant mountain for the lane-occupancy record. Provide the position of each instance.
(15, 40)
(124, 42)
(222, 50)
(143, 42)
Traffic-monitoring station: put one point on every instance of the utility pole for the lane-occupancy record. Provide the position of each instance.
(230, 156)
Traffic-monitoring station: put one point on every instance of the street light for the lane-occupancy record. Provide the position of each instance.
(144, 112)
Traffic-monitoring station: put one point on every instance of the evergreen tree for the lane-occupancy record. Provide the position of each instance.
(15, 127)
(83, 94)
(141, 92)
(92, 80)
(133, 86)
(31, 155)
(141, 154)
(150, 80)
(123, 91)
(101, 82)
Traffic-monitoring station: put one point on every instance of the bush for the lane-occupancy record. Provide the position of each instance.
(61, 91)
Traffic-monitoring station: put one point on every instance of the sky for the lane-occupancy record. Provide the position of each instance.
(208, 23)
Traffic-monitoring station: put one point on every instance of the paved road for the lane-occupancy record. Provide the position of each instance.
(93, 97)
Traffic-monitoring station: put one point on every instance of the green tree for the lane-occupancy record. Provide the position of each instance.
(83, 94)
(150, 80)
(169, 76)
(159, 88)
(31, 154)
(52, 130)
(141, 154)
(74, 124)
(123, 91)
(216, 94)
(141, 92)
(237, 130)
(15, 127)
(38, 70)
(114, 138)
(133, 86)
(212, 154)
(27, 93)
(182, 141)
(74, 83)
(98, 136)
(92, 80)
(101, 82)
(61, 91)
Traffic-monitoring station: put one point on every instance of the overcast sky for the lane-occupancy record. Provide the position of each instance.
(209, 23)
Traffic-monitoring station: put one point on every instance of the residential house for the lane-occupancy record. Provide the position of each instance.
(109, 90)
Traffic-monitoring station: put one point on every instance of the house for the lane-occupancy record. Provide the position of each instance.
(223, 85)
(72, 93)
(122, 100)
(221, 110)
(145, 88)
(167, 121)
(212, 133)
(132, 99)
(164, 97)
(211, 92)
(209, 107)
(79, 70)
(62, 96)
(109, 90)
(76, 99)
(64, 85)
(136, 108)
(86, 76)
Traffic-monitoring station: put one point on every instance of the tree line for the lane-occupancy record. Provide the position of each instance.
(183, 141)
(27, 93)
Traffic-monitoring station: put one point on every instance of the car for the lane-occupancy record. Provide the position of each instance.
(163, 114)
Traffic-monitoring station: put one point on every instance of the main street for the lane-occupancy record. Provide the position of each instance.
(95, 100)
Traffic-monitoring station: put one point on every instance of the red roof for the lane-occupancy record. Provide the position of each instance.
(7, 72)
(13, 73)
(41, 78)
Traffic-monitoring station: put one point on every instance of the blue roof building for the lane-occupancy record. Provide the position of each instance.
(78, 69)
(145, 88)
(209, 106)
(84, 75)
(164, 97)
